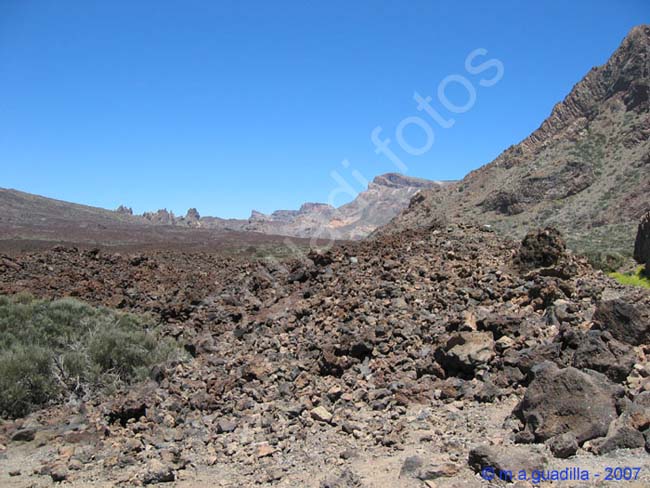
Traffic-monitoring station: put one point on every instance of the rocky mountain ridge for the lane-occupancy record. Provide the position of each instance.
(27, 216)
(384, 198)
(585, 170)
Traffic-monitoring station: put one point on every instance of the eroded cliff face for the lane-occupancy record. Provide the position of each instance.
(585, 170)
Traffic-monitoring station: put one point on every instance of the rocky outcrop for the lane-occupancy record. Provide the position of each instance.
(193, 216)
(642, 243)
(160, 217)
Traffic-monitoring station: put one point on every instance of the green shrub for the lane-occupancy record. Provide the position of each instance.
(53, 349)
(605, 261)
(638, 278)
(26, 380)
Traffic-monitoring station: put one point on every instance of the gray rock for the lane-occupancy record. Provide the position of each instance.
(599, 351)
(321, 414)
(225, 425)
(505, 461)
(158, 472)
(24, 435)
(465, 351)
(563, 446)
(619, 436)
(560, 401)
(627, 322)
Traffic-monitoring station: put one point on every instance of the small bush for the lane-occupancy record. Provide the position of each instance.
(26, 380)
(605, 261)
(53, 349)
(638, 278)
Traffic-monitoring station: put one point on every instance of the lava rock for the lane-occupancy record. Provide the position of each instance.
(505, 461)
(24, 435)
(158, 472)
(465, 351)
(568, 400)
(626, 322)
(541, 248)
(321, 414)
(600, 352)
(619, 436)
(563, 446)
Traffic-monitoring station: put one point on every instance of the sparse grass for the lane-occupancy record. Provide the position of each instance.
(637, 278)
(51, 350)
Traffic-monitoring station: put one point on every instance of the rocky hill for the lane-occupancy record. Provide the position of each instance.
(585, 170)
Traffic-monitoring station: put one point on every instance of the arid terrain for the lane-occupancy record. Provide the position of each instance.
(380, 363)
(467, 343)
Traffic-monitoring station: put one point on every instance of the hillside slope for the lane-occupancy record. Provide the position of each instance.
(33, 222)
(585, 170)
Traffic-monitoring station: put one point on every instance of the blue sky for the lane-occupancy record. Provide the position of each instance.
(233, 105)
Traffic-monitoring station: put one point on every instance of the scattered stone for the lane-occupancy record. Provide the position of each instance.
(265, 450)
(600, 352)
(225, 426)
(619, 436)
(346, 479)
(563, 446)
(349, 454)
(24, 435)
(465, 351)
(58, 473)
(321, 414)
(158, 472)
(505, 461)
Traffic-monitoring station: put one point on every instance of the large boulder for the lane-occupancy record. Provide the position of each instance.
(568, 400)
(627, 322)
(642, 244)
(599, 351)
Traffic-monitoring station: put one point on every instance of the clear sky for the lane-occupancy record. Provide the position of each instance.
(233, 105)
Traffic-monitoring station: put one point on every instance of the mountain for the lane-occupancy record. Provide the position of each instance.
(585, 170)
(386, 196)
(31, 218)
